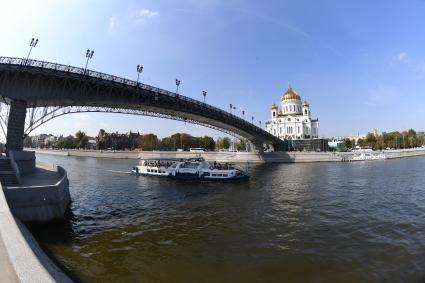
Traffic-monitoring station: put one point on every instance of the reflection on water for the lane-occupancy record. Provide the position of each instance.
(322, 222)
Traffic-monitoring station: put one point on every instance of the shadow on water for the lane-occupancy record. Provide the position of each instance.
(54, 233)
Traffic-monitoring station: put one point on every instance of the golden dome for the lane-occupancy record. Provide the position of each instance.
(305, 103)
(274, 106)
(290, 94)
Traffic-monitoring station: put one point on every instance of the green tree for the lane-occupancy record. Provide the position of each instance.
(149, 142)
(371, 140)
(361, 142)
(68, 142)
(411, 138)
(241, 145)
(224, 143)
(81, 139)
(207, 142)
(348, 143)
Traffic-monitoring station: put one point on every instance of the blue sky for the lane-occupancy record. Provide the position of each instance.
(360, 64)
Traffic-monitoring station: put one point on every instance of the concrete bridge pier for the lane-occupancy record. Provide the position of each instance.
(25, 160)
(16, 125)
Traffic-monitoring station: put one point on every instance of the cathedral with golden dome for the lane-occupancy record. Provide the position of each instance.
(292, 120)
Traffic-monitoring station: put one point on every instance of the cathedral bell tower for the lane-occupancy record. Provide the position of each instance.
(274, 111)
(306, 108)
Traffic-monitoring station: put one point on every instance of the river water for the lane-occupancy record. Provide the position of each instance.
(317, 222)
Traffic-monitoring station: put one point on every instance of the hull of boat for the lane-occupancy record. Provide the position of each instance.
(208, 178)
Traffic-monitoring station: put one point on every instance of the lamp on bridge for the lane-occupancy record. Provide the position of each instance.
(33, 43)
(177, 84)
(89, 55)
(252, 119)
(139, 71)
(243, 114)
(204, 93)
(231, 107)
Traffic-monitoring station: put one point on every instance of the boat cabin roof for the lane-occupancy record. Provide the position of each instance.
(195, 159)
(162, 159)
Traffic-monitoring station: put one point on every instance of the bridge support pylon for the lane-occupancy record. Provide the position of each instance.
(16, 125)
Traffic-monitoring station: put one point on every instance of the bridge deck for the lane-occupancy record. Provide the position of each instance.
(57, 89)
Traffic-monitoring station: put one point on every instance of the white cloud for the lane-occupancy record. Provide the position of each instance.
(113, 23)
(146, 14)
(138, 17)
(403, 57)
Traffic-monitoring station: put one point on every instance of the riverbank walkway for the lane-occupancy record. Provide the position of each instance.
(7, 272)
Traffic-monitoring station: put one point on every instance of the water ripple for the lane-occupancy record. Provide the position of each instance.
(327, 222)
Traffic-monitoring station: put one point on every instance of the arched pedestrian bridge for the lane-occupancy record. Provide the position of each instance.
(49, 90)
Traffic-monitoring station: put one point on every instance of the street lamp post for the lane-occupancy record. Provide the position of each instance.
(204, 93)
(33, 43)
(89, 55)
(177, 85)
(243, 114)
(139, 71)
(259, 122)
(231, 107)
(252, 119)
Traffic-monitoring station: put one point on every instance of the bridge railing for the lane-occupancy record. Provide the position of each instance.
(100, 75)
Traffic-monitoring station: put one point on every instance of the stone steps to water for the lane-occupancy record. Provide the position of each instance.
(7, 175)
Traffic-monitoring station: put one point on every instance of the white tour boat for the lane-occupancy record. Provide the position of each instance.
(155, 166)
(199, 169)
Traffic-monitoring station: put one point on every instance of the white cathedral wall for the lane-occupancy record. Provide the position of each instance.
(282, 128)
(292, 106)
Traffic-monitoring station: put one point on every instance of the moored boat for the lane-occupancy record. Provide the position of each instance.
(366, 155)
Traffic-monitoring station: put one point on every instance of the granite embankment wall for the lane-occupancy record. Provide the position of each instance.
(234, 157)
(238, 157)
(22, 258)
(404, 153)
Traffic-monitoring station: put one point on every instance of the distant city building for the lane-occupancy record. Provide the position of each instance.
(91, 144)
(40, 141)
(292, 120)
(116, 141)
(337, 145)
